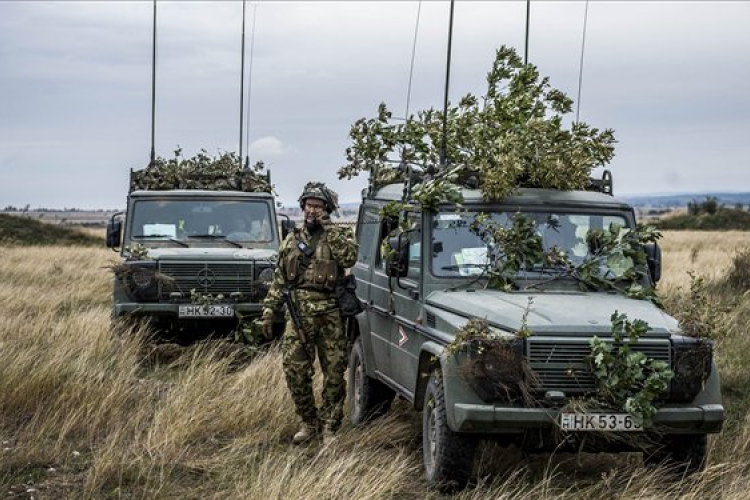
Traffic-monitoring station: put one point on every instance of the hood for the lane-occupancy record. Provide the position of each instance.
(210, 254)
(552, 312)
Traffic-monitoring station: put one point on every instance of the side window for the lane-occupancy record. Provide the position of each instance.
(366, 232)
(389, 228)
(415, 245)
(386, 229)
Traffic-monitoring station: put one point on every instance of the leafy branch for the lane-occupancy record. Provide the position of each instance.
(512, 136)
(202, 171)
(628, 380)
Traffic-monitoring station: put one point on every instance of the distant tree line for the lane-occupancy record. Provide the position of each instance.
(27, 208)
(709, 206)
(709, 215)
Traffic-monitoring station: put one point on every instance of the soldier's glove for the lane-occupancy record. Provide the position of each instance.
(267, 327)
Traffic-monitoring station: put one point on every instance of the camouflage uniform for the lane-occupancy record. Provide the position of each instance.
(334, 247)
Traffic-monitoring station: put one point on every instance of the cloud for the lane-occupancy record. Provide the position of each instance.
(267, 147)
(75, 91)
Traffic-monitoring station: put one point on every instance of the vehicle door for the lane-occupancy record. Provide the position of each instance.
(372, 285)
(404, 344)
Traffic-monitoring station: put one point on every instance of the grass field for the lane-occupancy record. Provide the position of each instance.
(85, 413)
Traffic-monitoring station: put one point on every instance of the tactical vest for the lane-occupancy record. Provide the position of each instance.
(318, 272)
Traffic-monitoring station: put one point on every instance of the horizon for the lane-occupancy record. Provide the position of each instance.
(293, 204)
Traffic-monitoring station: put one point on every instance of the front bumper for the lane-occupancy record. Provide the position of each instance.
(490, 419)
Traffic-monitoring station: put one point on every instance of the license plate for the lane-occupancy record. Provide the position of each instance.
(598, 422)
(212, 311)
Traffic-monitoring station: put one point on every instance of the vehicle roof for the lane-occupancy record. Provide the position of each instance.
(522, 196)
(192, 193)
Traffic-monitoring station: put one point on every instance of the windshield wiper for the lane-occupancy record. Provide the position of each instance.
(542, 270)
(455, 267)
(167, 236)
(216, 237)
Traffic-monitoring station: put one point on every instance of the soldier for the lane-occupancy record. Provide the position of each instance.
(311, 260)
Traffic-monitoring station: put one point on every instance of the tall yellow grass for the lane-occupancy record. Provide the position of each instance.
(88, 413)
(708, 253)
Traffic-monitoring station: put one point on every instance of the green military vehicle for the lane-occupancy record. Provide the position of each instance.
(198, 252)
(420, 295)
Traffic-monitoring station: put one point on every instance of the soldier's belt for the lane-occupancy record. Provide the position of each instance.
(308, 293)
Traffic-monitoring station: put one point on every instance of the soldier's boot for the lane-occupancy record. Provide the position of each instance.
(305, 433)
(329, 436)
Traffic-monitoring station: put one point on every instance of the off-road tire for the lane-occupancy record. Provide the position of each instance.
(368, 398)
(684, 454)
(448, 456)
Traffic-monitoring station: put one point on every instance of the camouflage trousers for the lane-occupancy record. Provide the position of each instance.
(326, 337)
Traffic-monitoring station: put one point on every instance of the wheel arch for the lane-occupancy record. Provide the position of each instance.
(429, 360)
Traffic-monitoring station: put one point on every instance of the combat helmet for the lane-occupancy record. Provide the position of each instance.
(319, 191)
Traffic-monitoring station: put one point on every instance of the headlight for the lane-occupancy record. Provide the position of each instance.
(493, 368)
(266, 276)
(143, 278)
(691, 364)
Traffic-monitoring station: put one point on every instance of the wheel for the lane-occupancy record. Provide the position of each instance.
(448, 456)
(685, 454)
(368, 398)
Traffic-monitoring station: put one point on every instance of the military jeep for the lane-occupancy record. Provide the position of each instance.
(195, 260)
(433, 282)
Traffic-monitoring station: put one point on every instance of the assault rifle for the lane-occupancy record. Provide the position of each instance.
(286, 293)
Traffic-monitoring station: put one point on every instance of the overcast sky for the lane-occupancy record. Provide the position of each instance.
(671, 78)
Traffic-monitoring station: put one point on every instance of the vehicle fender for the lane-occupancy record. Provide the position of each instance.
(711, 393)
(119, 295)
(430, 358)
(363, 330)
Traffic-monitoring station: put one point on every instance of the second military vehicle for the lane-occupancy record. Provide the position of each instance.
(197, 250)
(423, 288)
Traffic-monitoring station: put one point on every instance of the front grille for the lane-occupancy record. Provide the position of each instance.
(210, 277)
(560, 362)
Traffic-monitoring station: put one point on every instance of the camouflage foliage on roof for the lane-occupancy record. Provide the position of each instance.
(223, 172)
(515, 135)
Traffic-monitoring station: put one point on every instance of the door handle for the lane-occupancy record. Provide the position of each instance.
(414, 294)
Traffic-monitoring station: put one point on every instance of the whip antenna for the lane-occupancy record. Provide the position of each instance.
(242, 80)
(153, 92)
(250, 83)
(526, 46)
(447, 82)
(580, 70)
(413, 53)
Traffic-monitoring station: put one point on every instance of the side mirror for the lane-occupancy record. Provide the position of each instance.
(653, 258)
(397, 264)
(287, 226)
(114, 232)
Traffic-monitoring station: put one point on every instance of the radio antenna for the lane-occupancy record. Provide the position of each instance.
(580, 70)
(526, 45)
(242, 81)
(250, 84)
(447, 82)
(153, 93)
(411, 66)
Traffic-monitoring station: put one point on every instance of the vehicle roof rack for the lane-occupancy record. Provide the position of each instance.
(381, 176)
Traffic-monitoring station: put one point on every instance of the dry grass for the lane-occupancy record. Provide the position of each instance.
(96, 232)
(708, 253)
(88, 414)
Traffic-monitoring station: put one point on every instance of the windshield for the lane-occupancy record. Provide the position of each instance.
(457, 251)
(194, 222)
